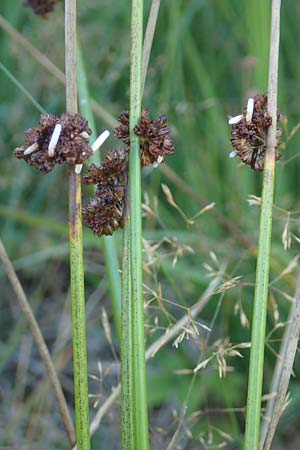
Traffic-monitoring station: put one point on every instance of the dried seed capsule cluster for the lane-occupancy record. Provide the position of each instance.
(65, 139)
(104, 212)
(155, 142)
(41, 7)
(249, 130)
(56, 140)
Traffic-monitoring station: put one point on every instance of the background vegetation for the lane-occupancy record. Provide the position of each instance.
(208, 57)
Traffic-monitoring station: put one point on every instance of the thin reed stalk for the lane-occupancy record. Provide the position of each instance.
(148, 40)
(76, 253)
(282, 373)
(133, 369)
(140, 414)
(127, 376)
(264, 246)
(40, 343)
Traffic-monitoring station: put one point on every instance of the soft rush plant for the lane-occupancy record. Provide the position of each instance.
(133, 371)
(76, 254)
(264, 245)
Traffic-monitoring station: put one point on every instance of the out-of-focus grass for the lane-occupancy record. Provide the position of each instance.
(208, 57)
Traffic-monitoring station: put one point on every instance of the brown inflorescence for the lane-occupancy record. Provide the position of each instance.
(72, 146)
(41, 7)
(155, 142)
(248, 137)
(105, 211)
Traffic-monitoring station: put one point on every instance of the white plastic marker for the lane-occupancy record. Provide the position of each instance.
(235, 119)
(54, 139)
(158, 161)
(100, 140)
(31, 149)
(96, 145)
(250, 109)
(78, 168)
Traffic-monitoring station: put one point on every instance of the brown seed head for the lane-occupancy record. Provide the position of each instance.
(111, 171)
(155, 142)
(104, 212)
(41, 7)
(71, 146)
(249, 137)
(122, 131)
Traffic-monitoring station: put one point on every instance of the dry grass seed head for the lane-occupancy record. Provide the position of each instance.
(223, 349)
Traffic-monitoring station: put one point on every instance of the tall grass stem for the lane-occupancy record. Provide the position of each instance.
(76, 252)
(127, 376)
(136, 262)
(264, 246)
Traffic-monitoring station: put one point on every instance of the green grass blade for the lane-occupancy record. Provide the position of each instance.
(22, 89)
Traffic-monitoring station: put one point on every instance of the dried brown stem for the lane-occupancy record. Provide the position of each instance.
(70, 59)
(273, 80)
(150, 30)
(40, 343)
(51, 67)
(283, 371)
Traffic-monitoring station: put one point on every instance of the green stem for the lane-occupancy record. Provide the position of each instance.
(76, 252)
(264, 245)
(108, 242)
(127, 405)
(78, 313)
(22, 89)
(139, 382)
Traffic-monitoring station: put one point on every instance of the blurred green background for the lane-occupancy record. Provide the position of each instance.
(208, 57)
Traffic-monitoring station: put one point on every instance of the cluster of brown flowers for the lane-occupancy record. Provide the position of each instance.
(155, 142)
(248, 135)
(56, 140)
(105, 211)
(66, 139)
(41, 7)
